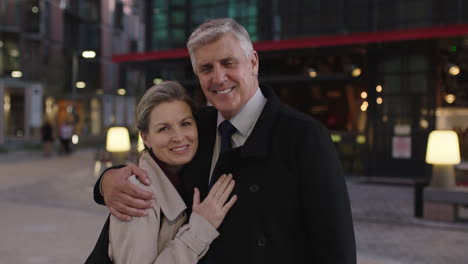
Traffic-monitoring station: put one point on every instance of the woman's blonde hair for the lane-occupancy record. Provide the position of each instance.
(167, 91)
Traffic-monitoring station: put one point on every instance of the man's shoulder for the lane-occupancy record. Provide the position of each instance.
(296, 119)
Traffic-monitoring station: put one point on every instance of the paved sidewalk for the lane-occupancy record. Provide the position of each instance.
(387, 232)
(48, 216)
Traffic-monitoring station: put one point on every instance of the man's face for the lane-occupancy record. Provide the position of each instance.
(227, 77)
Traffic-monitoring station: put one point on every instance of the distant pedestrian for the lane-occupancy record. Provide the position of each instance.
(47, 138)
(66, 132)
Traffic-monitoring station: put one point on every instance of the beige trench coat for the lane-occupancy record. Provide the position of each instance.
(163, 236)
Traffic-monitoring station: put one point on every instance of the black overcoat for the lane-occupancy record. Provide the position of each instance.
(293, 204)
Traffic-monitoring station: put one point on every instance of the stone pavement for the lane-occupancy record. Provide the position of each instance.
(48, 216)
(387, 232)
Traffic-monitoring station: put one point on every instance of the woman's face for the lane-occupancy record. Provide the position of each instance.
(172, 133)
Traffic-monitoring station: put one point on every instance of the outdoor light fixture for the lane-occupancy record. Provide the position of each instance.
(118, 139)
(118, 143)
(363, 95)
(379, 88)
(379, 100)
(157, 81)
(443, 151)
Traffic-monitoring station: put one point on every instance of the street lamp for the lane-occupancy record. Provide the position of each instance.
(87, 54)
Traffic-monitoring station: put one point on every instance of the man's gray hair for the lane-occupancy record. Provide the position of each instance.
(215, 29)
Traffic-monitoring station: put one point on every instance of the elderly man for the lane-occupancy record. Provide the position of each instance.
(293, 205)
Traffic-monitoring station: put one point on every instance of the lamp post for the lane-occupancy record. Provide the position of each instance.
(87, 54)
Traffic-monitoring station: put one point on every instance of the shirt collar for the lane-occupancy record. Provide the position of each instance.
(245, 119)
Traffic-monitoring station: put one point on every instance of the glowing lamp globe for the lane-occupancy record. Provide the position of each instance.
(118, 139)
(443, 151)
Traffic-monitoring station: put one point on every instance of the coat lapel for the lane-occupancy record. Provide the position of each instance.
(256, 144)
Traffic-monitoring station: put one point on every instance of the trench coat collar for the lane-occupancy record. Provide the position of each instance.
(166, 194)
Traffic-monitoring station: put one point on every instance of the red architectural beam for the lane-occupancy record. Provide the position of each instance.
(314, 42)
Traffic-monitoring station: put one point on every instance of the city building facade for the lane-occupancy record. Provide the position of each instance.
(379, 74)
(55, 64)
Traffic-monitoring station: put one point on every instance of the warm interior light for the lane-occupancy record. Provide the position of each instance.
(6, 103)
(80, 85)
(88, 54)
(75, 139)
(443, 148)
(16, 74)
(118, 139)
(356, 72)
(312, 73)
(121, 91)
(453, 69)
(157, 80)
(379, 100)
(336, 138)
(450, 98)
(361, 139)
(99, 91)
(363, 95)
(363, 108)
(423, 123)
(379, 88)
(14, 53)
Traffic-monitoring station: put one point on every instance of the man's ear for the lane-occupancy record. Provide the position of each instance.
(254, 62)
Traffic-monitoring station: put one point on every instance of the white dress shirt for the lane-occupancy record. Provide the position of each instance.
(244, 122)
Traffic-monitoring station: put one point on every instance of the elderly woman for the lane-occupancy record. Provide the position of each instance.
(167, 126)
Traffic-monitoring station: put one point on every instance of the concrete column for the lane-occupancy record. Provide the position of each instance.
(27, 112)
(2, 114)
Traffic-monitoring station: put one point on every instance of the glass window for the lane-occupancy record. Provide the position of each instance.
(392, 84)
(178, 34)
(417, 83)
(392, 65)
(31, 14)
(415, 13)
(178, 18)
(417, 63)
